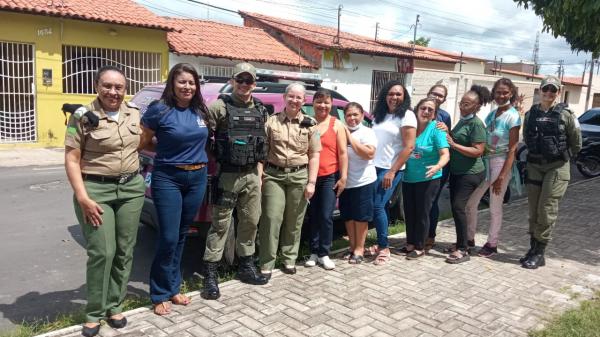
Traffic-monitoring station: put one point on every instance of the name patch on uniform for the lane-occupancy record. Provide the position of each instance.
(543, 119)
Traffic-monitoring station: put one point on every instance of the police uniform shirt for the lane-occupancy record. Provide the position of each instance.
(289, 143)
(110, 149)
(217, 112)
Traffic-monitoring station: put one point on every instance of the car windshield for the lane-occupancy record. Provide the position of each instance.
(590, 117)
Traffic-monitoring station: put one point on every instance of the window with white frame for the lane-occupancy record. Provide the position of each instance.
(80, 65)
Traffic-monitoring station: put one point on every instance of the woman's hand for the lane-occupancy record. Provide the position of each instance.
(388, 179)
(441, 126)
(92, 212)
(497, 185)
(309, 190)
(339, 186)
(431, 170)
(450, 140)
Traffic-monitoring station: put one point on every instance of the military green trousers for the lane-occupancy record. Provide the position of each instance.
(546, 185)
(110, 246)
(240, 191)
(283, 208)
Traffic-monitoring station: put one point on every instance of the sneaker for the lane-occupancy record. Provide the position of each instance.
(487, 250)
(312, 261)
(326, 262)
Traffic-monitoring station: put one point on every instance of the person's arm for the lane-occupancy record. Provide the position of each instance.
(573, 134)
(92, 212)
(146, 139)
(513, 142)
(473, 151)
(313, 170)
(342, 153)
(409, 135)
(364, 151)
(444, 159)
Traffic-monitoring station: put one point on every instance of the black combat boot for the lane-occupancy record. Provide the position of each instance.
(536, 259)
(247, 272)
(532, 243)
(210, 284)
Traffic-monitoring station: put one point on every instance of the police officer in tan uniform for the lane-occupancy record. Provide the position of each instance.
(101, 161)
(238, 125)
(290, 174)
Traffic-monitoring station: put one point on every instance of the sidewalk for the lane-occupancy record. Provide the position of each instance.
(32, 157)
(427, 297)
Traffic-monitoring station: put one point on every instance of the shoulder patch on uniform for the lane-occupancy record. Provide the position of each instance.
(132, 105)
(71, 130)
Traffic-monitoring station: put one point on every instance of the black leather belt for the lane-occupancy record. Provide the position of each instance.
(227, 168)
(287, 169)
(122, 179)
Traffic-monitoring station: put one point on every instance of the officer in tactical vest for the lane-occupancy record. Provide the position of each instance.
(553, 136)
(237, 123)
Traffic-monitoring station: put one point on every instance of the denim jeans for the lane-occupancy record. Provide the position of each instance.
(177, 195)
(321, 208)
(380, 200)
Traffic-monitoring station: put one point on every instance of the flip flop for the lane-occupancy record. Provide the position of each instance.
(372, 251)
(381, 259)
(162, 308)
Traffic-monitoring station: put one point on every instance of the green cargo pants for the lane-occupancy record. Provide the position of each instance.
(240, 191)
(546, 185)
(110, 246)
(283, 208)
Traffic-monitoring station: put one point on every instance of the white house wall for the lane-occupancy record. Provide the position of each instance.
(355, 83)
(197, 61)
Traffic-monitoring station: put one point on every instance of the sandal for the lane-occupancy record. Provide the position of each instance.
(356, 259)
(347, 255)
(405, 250)
(372, 251)
(162, 308)
(454, 259)
(414, 254)
(429, 243)
(181, 299)
(382, 258)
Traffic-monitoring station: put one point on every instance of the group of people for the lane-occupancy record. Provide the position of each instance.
(273, 169)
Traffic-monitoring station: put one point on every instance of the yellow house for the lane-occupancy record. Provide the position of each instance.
(50, 49)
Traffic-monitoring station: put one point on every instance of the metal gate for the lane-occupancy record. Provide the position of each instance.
(17, 97)
(379, 79)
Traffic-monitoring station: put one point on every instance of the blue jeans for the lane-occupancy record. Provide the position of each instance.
(321, 208)
(435, 209)
(177, 195)
(380, 200)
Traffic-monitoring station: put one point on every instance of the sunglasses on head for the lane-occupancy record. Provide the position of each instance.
(550, 88)
(247, 80)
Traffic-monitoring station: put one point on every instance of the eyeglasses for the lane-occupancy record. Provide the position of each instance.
(247, 80)
(550, 88)
(436, 94)
(426, 108)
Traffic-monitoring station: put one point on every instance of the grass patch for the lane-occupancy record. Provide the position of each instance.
(581, 322)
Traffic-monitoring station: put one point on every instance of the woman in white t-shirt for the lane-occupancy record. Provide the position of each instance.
(356, 202)
(395, 127)
(502, 125)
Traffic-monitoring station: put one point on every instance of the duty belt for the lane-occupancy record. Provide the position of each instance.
(228, 168)
(287, 169)
(122, 179)
(541, 161)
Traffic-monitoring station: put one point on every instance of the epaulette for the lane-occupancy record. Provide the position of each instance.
(130, 104)
(308, 121)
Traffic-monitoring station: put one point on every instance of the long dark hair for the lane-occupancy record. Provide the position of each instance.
(168, 95)
(511, 86)
(381, 108)
(482, 93)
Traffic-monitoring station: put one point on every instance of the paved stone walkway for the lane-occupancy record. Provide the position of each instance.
(427, 297)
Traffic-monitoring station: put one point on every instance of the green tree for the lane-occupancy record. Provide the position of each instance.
(421, 41)
(575, 20)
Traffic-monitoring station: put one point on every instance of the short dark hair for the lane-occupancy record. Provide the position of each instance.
(322, 93)
(507, 82)
(481, 92)
(354, 105)
(106, 68)
(168, 95)
(381, 108)
(428, 99)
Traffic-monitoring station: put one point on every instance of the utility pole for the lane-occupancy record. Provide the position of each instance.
(584, 69)
(536, 50)
(336, 40)
(461, 62)
(589, 88)
(415, 34)
(561, 70)
(376, 30)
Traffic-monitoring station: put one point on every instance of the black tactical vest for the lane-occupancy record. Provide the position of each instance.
(546, 135)
(244, 141)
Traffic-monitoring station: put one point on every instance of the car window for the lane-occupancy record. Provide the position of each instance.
(590, 117)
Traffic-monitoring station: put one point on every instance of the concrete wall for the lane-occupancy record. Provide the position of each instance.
(48, 55)
(471, 66)
(223, 62)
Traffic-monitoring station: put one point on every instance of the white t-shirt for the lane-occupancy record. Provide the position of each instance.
(389, 138)
(360, 171)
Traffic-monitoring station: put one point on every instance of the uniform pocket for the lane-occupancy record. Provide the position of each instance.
(301, 142)
(134, 129)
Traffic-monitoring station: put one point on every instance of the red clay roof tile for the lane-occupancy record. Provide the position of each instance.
(213, 39)
(124, 12)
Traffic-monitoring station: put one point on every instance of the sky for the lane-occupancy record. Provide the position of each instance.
(483, 28)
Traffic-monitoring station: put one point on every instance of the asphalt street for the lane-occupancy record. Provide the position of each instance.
(43, 256)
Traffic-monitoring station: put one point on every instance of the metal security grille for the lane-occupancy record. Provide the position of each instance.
(81, 63)
(379, 79)
(17, 98)
(210, 71)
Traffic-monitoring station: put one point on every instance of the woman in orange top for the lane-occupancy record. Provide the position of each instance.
(331, 180)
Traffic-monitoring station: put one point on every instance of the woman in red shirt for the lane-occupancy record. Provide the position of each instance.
(331, 180)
